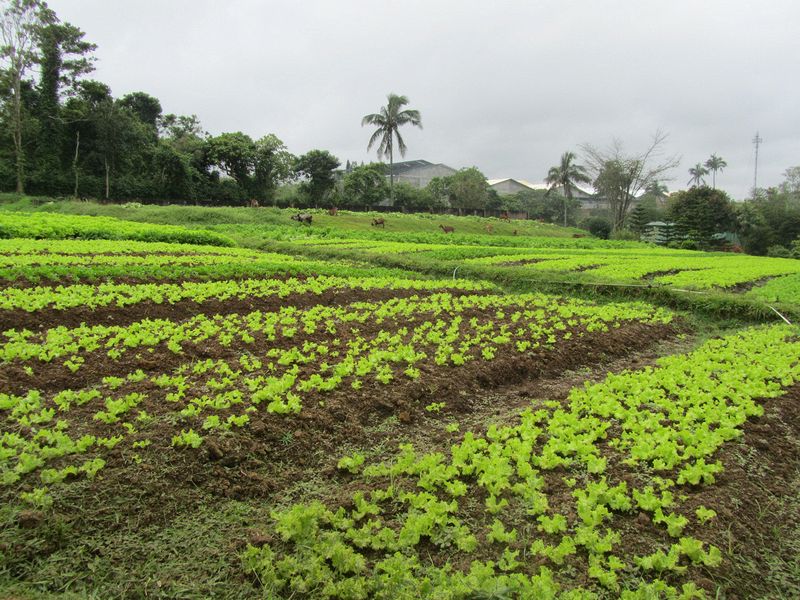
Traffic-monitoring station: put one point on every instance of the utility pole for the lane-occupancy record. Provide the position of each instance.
(757, 142)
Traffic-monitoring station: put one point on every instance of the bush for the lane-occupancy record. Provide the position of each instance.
(778, 251)
(689, 245)
(625, 234)
(757, 239)
(598, 227)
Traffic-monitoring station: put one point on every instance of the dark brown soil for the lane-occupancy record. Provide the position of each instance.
(746, 286)
(757, 499)
(274, 452)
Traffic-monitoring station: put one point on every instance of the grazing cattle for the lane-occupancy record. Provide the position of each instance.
(489, 228)
(302, 218)
(253, 203)
(447, 228)
(379, 222)
(333, 211)
(505, 216)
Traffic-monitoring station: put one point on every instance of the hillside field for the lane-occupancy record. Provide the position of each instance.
(226, 403)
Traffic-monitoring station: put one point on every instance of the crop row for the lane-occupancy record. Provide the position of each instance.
(678, 268)
(78, 260)
(67, 247)
(781, 289)
(701, 271)
(114, 341)
(120, 294)
(41, 225)
(275, 362)
(533, 507)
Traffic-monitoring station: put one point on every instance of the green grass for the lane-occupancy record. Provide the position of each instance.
(187, 557)
(346, 221)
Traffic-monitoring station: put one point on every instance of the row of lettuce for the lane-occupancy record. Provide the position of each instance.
(274, 361)
(586, 261)
(538, 509)
(50, 263)
(771, 279)
(44, 225)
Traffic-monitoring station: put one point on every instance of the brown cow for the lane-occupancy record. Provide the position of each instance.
(302, 218)
(505, 216)
(379, 222)
(447, 228)
(253, 203)
(333, 211)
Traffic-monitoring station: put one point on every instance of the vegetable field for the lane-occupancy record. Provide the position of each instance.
(343, 416)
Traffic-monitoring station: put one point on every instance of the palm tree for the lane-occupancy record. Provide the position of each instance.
(697, 173)
(656, 188)
(714, 164)
(566, 175)
(388, 121)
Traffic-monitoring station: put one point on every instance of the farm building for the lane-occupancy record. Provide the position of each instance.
(510, 185)
(418, 173)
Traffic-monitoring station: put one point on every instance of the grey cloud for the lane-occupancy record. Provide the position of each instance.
(505, 86)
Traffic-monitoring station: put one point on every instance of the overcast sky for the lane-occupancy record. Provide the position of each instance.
(504, 86)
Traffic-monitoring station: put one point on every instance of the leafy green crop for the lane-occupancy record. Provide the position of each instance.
(682, 411)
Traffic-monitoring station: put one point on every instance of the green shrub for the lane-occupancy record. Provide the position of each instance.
(625, 234)
(598, 227)
(778, 251)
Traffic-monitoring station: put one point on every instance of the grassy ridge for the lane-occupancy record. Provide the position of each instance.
(345, 221)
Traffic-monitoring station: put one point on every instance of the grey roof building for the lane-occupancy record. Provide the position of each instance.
(419, 173)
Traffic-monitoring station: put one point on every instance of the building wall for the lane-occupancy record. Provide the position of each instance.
(593, 203)
(421, 176)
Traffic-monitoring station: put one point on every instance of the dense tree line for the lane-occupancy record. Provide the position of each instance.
(71, 137)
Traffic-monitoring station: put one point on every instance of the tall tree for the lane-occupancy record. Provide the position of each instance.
(620, 177)
(388, 122)
(701, 212)
(272, 165)
(365, 186)
(64, 59)
(317, 168)
(20, 23)
(714, 164)
(697, 172)
(146, 108)
(566, 176)
(656, 189)
(79, 115)
(234, 154)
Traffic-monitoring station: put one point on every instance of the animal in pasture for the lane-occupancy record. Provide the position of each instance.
(489, 228)
(447, 228)
(505, 216)
(379, 222)
(253, 203)
(333, 211)
(515, 232)
(578, 235)
(302, 218)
